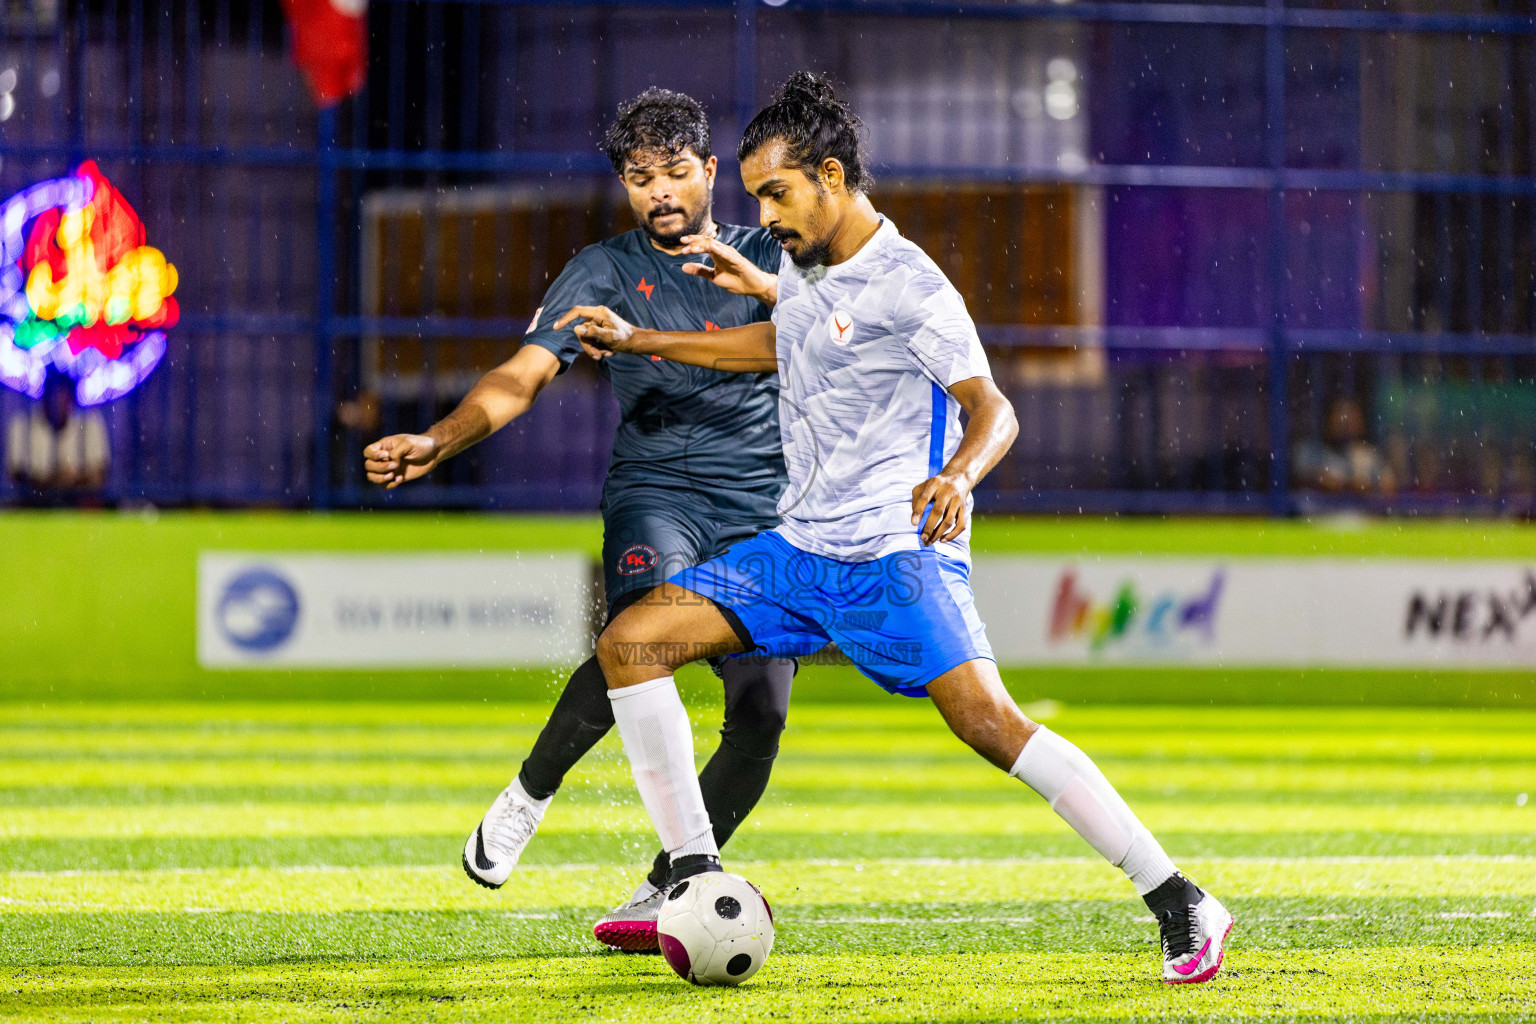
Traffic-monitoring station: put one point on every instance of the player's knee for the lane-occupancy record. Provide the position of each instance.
(629, 652)
(605, 651)
(756, 714)
(754, 728)
(615, 652)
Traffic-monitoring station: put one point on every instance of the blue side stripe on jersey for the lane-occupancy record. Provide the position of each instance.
(936, 432)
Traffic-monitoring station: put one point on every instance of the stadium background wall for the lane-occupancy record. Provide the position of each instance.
(103, 606)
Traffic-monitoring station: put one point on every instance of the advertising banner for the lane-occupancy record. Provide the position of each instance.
(477, 611)
(1258, 612)
(392, 611)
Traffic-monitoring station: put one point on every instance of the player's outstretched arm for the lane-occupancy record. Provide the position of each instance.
(498, 398)
(748, 349)
(988, 436)
(731, 271)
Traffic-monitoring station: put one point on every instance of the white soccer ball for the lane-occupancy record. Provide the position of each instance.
(715, 929)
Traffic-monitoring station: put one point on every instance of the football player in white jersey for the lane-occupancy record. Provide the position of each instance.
(876, 357)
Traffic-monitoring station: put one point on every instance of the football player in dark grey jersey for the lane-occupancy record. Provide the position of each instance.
(697, 466)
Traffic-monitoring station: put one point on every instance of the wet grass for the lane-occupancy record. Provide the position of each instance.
(299, 862)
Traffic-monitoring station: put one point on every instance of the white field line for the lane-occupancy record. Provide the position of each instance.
(911, 922)
(857, 865)
(1388, 858)
(813, 919)
(49, 903)
(515, 915)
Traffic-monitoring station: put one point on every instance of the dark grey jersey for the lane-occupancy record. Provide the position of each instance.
(682, 427)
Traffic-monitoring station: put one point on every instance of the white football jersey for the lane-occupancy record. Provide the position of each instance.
(866, 350)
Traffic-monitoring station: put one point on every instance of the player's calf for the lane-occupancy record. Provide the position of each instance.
(756, 706)
(651, 719)
(1193, 925)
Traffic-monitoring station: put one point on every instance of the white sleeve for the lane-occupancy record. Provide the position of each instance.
(940, 332)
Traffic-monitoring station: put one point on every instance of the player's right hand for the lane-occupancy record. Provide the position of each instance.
(601, 332)
(393, 460)
(731, 271)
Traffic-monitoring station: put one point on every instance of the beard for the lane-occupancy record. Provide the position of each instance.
(693, 225)
(807, 254)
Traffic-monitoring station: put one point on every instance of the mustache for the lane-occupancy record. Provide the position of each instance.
(665, 210)
(780, 234)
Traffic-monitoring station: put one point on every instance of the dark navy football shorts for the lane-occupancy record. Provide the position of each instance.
(903, 620)
(648, 538)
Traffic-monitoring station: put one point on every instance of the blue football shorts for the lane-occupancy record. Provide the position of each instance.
(904, 619)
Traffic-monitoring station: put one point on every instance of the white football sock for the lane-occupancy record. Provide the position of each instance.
(1075, 788)
(659, 741)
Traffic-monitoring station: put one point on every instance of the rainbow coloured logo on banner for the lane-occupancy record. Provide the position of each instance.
(80, 290)
(1150, 619)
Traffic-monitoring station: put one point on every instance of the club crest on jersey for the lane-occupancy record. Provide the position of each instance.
(840, 327)
(636, 559)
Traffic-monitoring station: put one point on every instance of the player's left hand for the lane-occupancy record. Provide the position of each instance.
(602, 332)
(949, 516)
(731, 271)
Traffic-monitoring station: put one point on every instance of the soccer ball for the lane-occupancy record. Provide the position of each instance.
(715, 929)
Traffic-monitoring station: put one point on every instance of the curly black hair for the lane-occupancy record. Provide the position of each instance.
(815, 125)
(659, 121)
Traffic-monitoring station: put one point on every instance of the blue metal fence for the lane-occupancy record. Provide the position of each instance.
(1246, 247)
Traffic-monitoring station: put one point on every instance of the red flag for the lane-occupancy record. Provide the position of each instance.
(330, 45)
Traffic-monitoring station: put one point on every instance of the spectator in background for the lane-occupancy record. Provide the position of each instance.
(1343, 459)
(57, 446)
(361, 414)
(354, 417)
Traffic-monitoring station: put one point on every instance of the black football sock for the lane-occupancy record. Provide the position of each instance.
(1176, 895)
(756, 706)
(689, 865)
(582, 716)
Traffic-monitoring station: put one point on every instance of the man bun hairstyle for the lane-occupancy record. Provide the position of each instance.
(814, 125)
(659, 121)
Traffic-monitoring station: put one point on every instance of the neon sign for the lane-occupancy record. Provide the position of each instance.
(80, 290)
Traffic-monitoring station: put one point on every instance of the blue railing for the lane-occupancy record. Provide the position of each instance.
(197, 114)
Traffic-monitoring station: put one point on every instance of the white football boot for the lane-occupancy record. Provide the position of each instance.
(631, 926)
(1194, 941)
(493, 847)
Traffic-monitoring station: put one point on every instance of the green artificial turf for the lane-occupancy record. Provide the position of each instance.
(272, 861)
